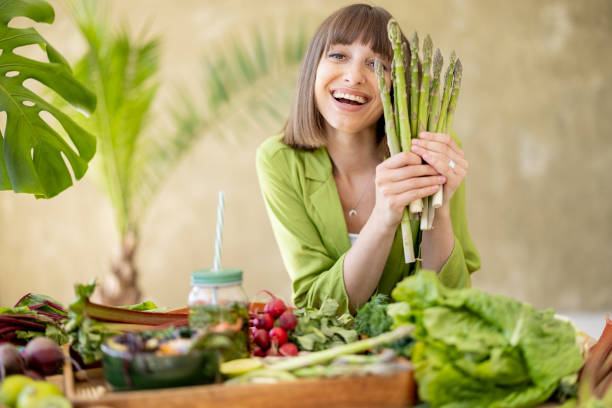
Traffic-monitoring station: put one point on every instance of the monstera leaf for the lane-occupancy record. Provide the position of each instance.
(33, 155)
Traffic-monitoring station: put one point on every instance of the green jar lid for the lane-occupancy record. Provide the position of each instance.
(210, 277)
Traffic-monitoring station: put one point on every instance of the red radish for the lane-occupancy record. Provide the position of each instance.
(259, 352)
(264, 321)
(278, 335)
(272, 351)
(261, 338)
(276, 307)
(43, 355)
(287, 320)
(288, 349)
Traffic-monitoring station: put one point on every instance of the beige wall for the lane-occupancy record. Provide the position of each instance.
(534, 116)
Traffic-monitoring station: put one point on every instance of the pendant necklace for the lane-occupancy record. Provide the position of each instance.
(353, 211)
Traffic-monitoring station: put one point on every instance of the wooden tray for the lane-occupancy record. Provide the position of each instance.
(397, 390)
(367, 391)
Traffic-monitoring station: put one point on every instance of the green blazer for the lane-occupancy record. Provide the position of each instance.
(308, 222)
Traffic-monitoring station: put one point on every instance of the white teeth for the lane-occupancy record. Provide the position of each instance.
(355, 98)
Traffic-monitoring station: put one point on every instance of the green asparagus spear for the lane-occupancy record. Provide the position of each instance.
(392, 141)
(425, 82)
(395, 95)
(447, 91)
(400, 78)
(414, 82)
(394, 148)
(434, 92)
(438, 197)
(454, 96)
(434, 115)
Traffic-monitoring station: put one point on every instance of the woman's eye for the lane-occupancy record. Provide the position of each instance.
(336, 55)
(371, 63)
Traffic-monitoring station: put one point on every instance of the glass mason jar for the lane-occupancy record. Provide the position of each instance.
(218, 309)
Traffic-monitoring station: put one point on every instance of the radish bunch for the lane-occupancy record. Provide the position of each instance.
(269, 330)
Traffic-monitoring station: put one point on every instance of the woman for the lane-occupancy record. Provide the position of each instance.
(334, 203)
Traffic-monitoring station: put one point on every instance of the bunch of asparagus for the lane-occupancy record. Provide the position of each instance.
(420, 110)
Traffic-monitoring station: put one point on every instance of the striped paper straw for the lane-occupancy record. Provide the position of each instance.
(219, 235)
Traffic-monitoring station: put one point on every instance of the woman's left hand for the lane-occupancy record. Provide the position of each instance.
(441, 152)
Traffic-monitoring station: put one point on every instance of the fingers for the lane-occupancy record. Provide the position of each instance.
(403, 173)
(416, 183)
(421, 147)
(399, 201)
(438, 149)
(438, 139)
(401, 159)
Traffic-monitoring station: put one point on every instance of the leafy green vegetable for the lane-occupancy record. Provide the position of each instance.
(42, 303)
(31, 152)
(321, 329)
(372, 318)
(146, 306)
(476, 349)
(85, 334)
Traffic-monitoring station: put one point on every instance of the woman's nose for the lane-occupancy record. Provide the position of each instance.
(354, 74)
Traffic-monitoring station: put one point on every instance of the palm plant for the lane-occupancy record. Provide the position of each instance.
(255, 80)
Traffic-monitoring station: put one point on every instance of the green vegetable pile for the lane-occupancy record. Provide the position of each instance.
(321, 329)
(476, 349)
(372, 320)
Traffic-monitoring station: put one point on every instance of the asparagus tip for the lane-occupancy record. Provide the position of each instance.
(438, 61)
(414, 40)
(427, 44)
(393, 30)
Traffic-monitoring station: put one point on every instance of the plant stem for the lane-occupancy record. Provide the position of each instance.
(394, 148)
(319, 357)
(438, 197)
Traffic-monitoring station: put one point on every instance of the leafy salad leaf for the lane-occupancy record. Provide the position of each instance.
(319, 329)
(476, 349)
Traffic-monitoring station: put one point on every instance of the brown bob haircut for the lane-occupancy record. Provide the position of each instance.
(305, 128)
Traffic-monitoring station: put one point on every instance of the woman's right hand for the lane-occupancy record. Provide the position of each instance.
(401, 179)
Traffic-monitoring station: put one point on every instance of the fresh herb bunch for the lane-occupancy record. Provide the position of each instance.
(320, 329)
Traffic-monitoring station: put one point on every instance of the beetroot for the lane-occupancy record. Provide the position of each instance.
(261, 338)
(278, 335)
(10, 361)
(288, 349)
(43, 355)
(287, 320)
(264, 321)
(35, 375)
(276, 307)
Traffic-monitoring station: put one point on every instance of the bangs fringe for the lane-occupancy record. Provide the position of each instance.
(362, 23)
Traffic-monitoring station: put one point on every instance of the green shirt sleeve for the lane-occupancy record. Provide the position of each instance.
(464, 258)
(315, 273)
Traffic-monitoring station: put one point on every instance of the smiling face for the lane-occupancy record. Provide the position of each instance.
(346, 88)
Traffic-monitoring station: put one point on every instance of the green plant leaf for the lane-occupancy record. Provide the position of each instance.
(32, 153)
(122, 70)
(247, 86)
